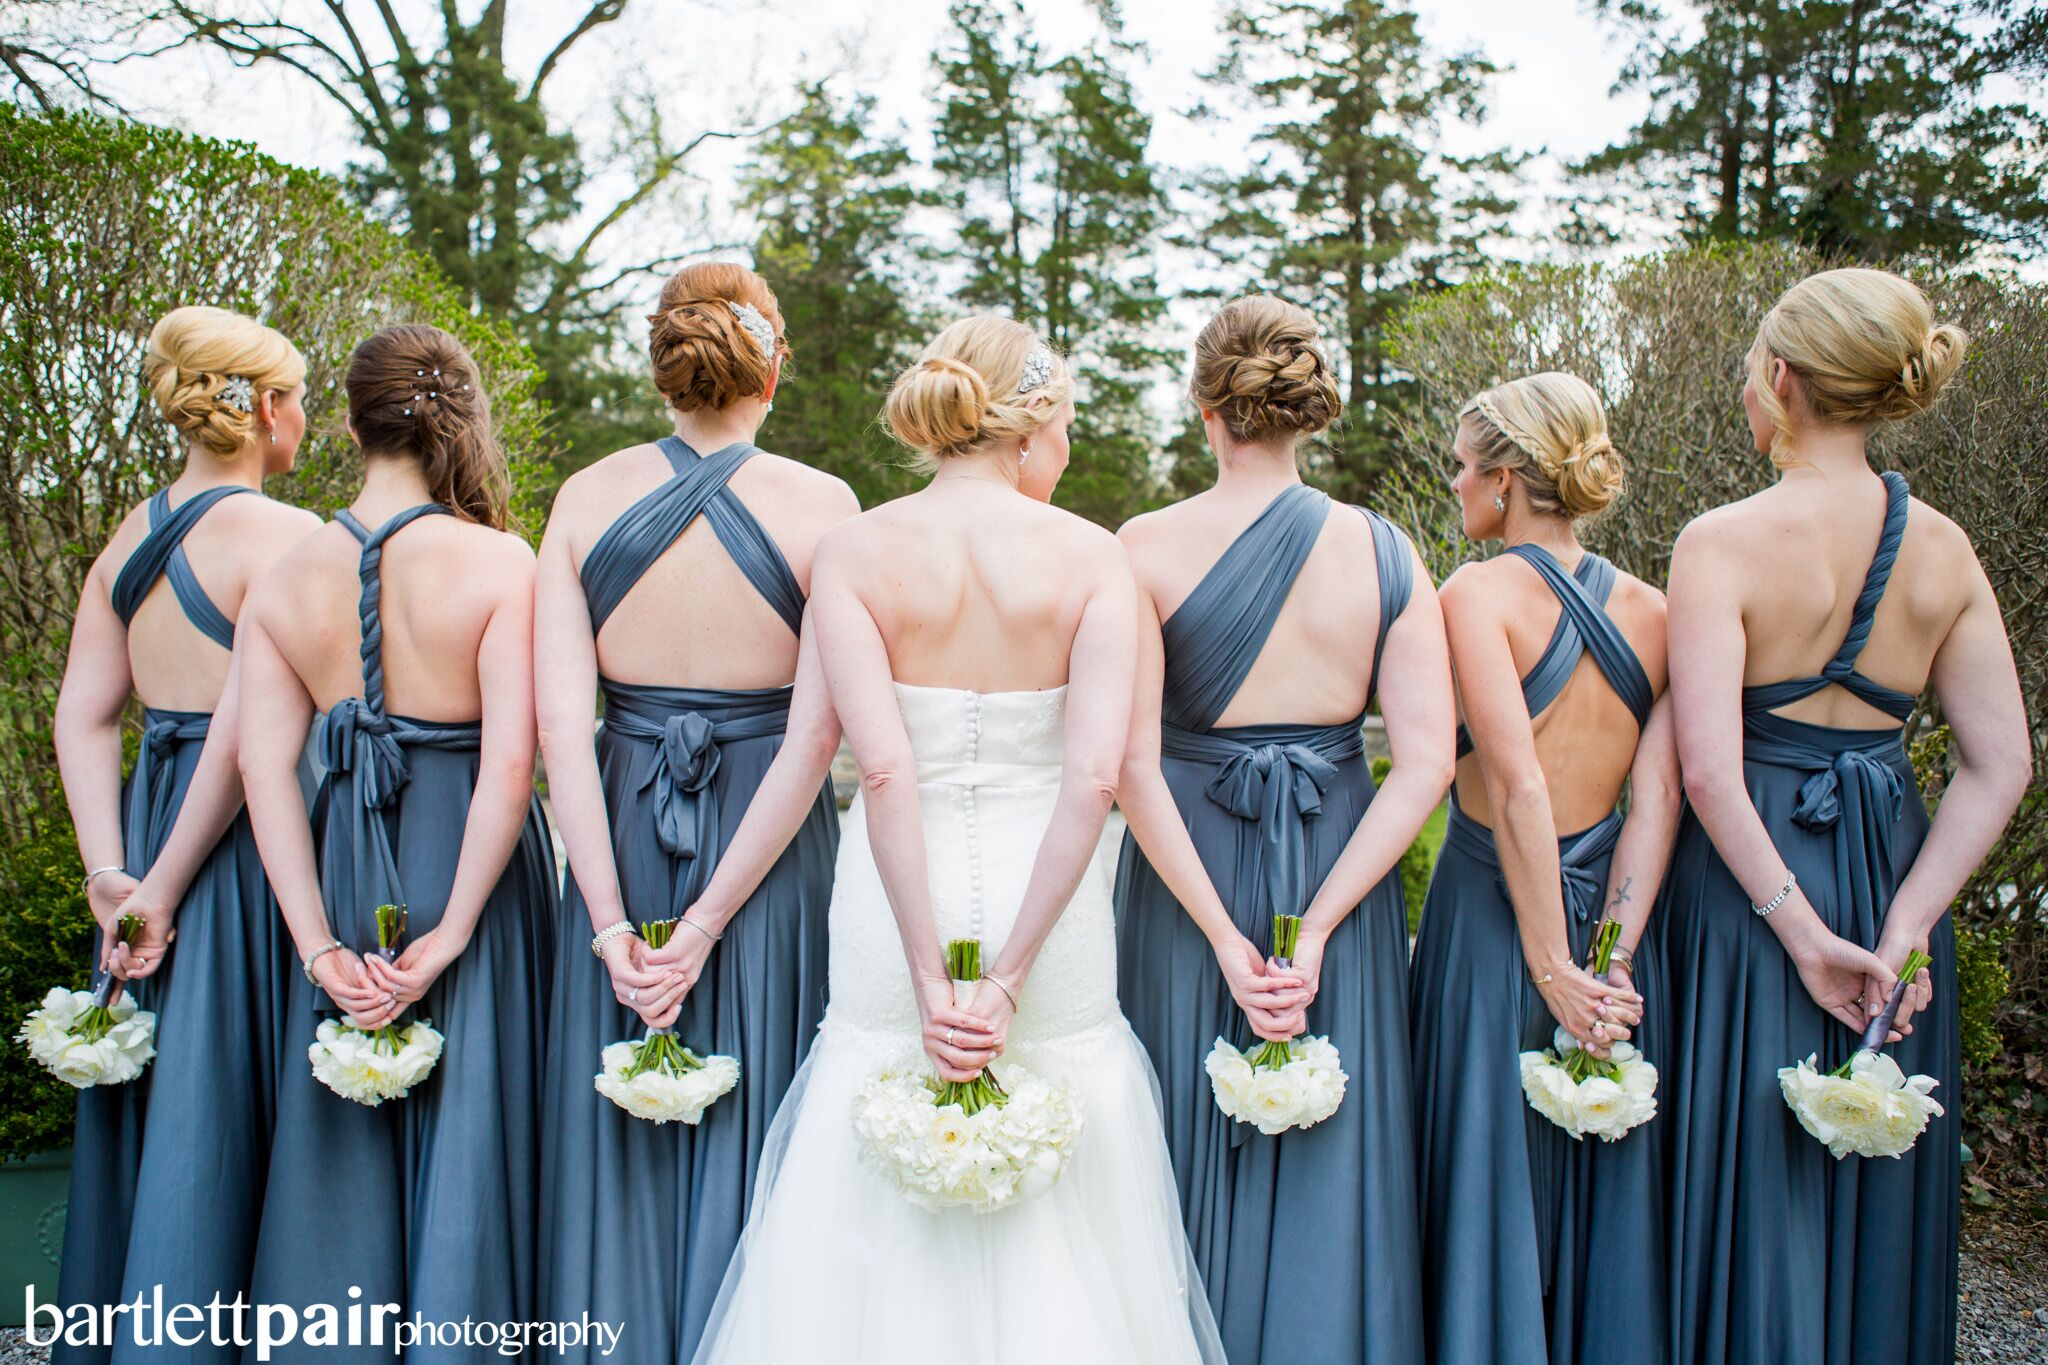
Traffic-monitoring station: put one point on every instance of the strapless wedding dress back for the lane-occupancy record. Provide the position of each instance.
(835, 1263)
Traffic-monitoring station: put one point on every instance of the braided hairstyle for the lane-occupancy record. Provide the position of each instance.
(1257, 367)
(197, 352)
(1550, 431)
(703, 356)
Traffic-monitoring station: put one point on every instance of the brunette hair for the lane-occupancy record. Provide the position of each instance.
(414, 392)
(703, 356)
(1257, 367)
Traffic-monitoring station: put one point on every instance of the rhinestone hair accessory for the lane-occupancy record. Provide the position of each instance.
(430, 382)
(238, 393)
(756, 325)
(1038, 368)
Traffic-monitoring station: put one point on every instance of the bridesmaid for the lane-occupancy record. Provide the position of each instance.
(672, 583)
(157, 621)
(425, 1202)
(1269, 619)
(1807, 867)
(1537, 1248)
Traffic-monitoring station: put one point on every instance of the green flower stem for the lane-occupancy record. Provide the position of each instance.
(1873, 1039)
(1605, 937)
(1286, 936)
(94, 1024)
(655, 933)
(661, 1050)
(1272, 1055)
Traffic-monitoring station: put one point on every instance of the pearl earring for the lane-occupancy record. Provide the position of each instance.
(273, 434)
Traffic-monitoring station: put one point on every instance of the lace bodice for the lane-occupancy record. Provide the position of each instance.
(988, 772)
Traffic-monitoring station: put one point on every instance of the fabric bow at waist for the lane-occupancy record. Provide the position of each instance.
(1275, 777)
(364, 753)
(683, 729)
(1579, 860)
(1855, 787)
(152, 792)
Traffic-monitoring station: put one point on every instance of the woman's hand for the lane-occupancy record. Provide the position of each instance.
(1621, 976)
(1591, 1009)
(105, 895)
(417, 968)
(654, 993)
(349, 985)
(1270, 997)
(683, 956)
(959, 1042)
(1847, 981)
(144, 955)
(992, 1002)
(1892, 952)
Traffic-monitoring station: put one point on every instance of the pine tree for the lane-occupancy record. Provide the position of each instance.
(1856, 126)
(1058, 208)
(832, 200)
(1352, 207)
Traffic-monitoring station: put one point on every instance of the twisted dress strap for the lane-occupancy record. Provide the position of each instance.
(162, 553)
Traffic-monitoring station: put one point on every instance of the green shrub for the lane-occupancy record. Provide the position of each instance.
(1981, 986)
(1420, 860)
(45, 941)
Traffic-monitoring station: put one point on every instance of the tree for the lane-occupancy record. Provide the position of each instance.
(1858, 127)
(832, 200)
(1352, 207)
(1045, 165)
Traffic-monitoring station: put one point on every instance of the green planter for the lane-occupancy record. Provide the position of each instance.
(32, 1195)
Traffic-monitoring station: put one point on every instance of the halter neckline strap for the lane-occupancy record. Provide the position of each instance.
(162, 554)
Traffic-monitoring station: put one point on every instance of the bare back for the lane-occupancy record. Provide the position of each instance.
(694, 618)
(1316, 665)
(175, 665)
(442, 581)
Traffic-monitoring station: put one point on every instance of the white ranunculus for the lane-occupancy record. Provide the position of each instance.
(1602, 1108)
(1305, 1091)
(368, 1068)
(939, 1157)
(661, 1094)
(54, 1033)
(1876, 1110)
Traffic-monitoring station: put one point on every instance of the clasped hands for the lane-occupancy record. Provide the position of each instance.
(654, 982)
(1274, 999)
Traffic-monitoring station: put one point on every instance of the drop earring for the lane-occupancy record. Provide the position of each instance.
(273, 434)
(1500, 504)
(1023, 458)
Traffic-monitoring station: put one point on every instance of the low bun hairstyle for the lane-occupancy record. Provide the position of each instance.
(963, 393)
(703, 357)
(1550, 431)
(1258, 368)
(414, 393)
(193, 353)
(1865, 345)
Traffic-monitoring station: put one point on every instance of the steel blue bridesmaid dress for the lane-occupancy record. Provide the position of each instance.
(641, 1219)
(1306, 1241)
(428, 1202)
(181, 1140)
(1779, 1251)
(1535, 1248)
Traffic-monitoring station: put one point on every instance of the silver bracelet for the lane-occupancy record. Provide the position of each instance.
(1791, 880)
(318, 953)
(701, 929)
(611, 931)
(86, 885)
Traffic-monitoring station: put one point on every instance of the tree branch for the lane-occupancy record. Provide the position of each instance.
(601, 13)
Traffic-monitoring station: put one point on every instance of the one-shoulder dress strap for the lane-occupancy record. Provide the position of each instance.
(162, 553)
(370, 570)
(1583, 627)
(644, 531)
(1396, 572)
(1841, 670)
(1214, 637)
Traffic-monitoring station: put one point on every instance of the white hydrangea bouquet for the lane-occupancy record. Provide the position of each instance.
(95, 1037)
(1584, 1094)
(371, 1066)
(1868, 1105)
(658, 1078)
(979, 1144)
(1279, 1085)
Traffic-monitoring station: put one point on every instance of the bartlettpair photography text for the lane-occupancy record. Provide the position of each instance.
(1003, 681)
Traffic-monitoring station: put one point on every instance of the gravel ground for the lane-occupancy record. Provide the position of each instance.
(2003, 1310)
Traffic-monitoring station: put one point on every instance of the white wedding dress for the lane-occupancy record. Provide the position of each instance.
(835, 1264)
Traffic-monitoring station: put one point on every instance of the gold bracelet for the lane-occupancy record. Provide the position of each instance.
(1543, 980)
(997, 982)
(1626, 958)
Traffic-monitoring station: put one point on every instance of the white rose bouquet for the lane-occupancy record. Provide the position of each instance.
(976, 1144)
(95, 1037)
(658, 1078)
(1867, 1105)
(1280, 1085)
(1584, 1094)
(371, 1066)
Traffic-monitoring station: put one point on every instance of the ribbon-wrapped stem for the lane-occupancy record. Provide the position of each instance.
(106, 987)
(1873, 1038)
(1273, 1053)
(963, 965)
(390, 931)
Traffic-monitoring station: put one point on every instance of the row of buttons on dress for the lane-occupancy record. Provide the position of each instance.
(969, 817)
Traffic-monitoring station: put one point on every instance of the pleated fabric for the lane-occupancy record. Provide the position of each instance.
(642, 1218)
(1779, 1251)
(1537, 1249)
(429, 1202)
(1306, 1241)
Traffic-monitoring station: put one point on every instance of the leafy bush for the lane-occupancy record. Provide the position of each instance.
(105, 227)
(1420, 860)
(1663, 339)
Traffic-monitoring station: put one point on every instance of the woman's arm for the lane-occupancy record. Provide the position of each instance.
(504, 787)
(87, 732)
(1979, 688)
(1266, 997)
(276, 715)
(856, 663)
(1644, 849)
(1708, 650)
(1421, 716)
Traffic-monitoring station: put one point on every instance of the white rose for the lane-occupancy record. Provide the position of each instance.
(1877, 1070)
(78, 1063)
(1549, 1089)
(1602, 1108)
(1275, 1101)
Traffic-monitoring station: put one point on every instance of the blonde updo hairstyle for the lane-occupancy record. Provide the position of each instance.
(1865, 345)
(962, 393)
(703, 356)
(1258, 368)
(194, 351)
(1550, 431)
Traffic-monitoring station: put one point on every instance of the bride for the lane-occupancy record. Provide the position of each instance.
(979, 649)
